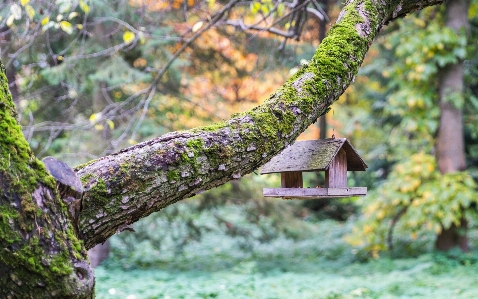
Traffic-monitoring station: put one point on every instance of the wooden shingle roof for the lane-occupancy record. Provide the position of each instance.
(314, 155)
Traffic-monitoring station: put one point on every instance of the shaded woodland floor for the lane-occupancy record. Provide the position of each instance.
(322, 266)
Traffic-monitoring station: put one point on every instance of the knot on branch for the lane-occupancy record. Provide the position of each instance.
(69, 186)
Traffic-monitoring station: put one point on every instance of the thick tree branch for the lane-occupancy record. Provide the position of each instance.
(133, 183)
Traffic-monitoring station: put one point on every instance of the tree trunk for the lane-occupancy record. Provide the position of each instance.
(322, 34)
(450, 141)
(40, 256)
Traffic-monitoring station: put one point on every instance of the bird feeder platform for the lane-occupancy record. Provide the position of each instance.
(334, 156)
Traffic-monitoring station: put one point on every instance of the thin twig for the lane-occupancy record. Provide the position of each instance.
(392, 226)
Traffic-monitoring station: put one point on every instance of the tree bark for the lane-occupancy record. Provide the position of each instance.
(40, 256)
(450, 142)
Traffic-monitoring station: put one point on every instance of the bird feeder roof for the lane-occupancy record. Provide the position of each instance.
(314, 155)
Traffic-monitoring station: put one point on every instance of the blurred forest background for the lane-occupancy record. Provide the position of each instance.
(92, 77)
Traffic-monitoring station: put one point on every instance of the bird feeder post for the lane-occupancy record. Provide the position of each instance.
(336, 174)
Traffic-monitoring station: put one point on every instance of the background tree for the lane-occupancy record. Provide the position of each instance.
(450, 145)
(415, 198)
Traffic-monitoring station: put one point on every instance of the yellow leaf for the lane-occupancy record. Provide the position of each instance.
(132, 141)
(280, 9)
(438, 229)
(255, 6)
(66, 26)
(197, 26)
(79, 26)
(60, 58)
(128, 37)
(142, 39)
(30, 11)
(110, 123)
(99, 127)
(95, 117)
(45, 21)
(10, 20)
(59, 17)
(430, 167)
(23, 2)
(84, 7)
(211, 3)
(72, 15)
(367, 229)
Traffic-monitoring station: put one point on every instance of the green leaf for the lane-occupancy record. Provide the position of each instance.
(280, 9)
(473, 11)
(65, 7)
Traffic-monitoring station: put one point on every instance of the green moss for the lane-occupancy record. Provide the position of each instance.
(81, 166)
(84, 179)
(125, 168)
(218, 154)
(7, 234)
(210, 128)
(195, 144)
(60, 264)
(172, 175)
(100, 186)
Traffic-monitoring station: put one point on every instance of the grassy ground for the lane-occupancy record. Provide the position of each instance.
(319, 266)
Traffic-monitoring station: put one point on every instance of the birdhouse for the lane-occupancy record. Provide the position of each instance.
(334, 156)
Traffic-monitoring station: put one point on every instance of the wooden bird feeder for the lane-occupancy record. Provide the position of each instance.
(335, 156)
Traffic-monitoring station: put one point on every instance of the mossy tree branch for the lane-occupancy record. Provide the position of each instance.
(139, 180)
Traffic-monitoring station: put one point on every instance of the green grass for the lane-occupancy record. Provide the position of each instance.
(321, 265)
